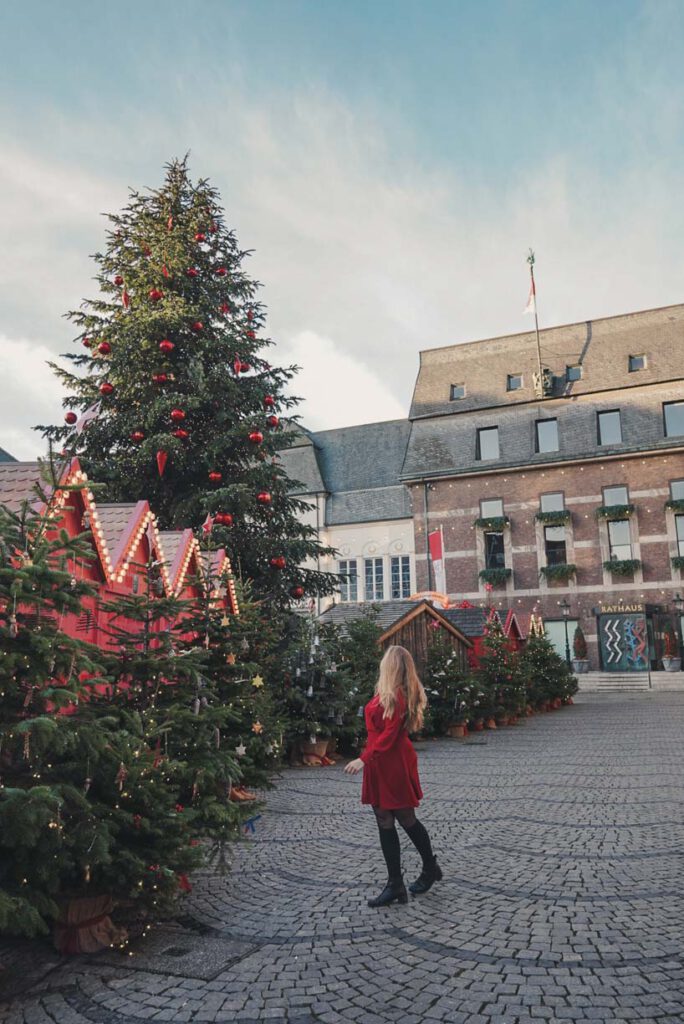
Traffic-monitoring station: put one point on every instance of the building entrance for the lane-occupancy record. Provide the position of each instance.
(623, 638)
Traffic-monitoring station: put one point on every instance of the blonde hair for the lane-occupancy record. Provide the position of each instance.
(398, 673)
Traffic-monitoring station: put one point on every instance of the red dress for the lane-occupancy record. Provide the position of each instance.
(390, 774)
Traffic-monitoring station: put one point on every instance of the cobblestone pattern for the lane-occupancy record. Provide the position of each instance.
(562, 846)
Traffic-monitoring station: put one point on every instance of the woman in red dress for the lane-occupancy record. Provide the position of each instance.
(390, 772)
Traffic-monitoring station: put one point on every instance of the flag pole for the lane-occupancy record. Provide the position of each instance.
(530, 260)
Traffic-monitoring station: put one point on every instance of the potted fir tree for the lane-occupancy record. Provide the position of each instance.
(672, 661)
(580, 662)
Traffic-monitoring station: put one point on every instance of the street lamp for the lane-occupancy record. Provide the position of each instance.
(565, 608)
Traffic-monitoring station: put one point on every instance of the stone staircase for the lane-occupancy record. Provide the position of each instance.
(616, 682)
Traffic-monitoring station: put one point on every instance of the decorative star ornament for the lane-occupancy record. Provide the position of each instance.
(257, 682)
(241, 750)
(257, 727)
(231, 658)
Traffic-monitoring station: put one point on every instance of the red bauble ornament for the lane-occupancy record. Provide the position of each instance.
(250, 314)
(215, 476)
(159, 378)
(297, 592)
(192, 272)
(256, 437)
(106, 388)
(162, 456)
(200, 237)
(87, 342)
(118, 280)
(177, 415)
(180, 433)
(278, 562)
(245, 367)
(251, 334)
(223, 519)
(166, 346)
(137, 436)
(273, 421)
(213, 227)
(220, 271)
(146, 250)
(70, 418)
(224, 308)
(104, 348)
(197, 326)
(264, 498)
(269, 401)
(155, 294)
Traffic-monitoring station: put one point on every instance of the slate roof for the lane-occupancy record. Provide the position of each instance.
(470, 621)
(601, 347)
(17, 480)
(171, 541)
(358, 468)
(115, 519)
(386, 612)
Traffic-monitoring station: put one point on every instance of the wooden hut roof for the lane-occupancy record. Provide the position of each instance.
(424, 608)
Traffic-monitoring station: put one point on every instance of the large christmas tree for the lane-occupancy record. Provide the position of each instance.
(183, 408)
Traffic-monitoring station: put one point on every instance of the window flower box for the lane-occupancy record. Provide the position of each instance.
(678, 562)
(560, 571)
(558, 518)
(622, 567)
(676, 504)
(495, 576)
(493, 523)
(614, 511)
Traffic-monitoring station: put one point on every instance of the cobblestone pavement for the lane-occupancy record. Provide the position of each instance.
(561, 842)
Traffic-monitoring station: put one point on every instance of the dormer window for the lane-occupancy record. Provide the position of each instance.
(514, 382)
(637, 363)
(457, 391)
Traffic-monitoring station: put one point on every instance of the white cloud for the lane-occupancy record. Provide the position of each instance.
(339, 391)
(31, 395)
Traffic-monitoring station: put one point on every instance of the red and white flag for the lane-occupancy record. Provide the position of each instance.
(436, 544)
(90, 414)
(531, 306)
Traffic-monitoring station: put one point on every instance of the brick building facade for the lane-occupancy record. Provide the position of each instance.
(560, 498)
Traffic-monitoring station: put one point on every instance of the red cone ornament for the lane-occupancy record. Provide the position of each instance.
(70, 418)
(250, 314)
(165, 271)
(245, 367)
(166, 346)
(169, 224)
(162, 457)
(237, 364)
(126, 299)
(256, 437)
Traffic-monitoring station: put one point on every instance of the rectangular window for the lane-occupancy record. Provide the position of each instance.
(554, 542)
(515, 382)
(573, 373)
(547, 435)
(487, 443)
(615, 496)
(674, 418)
(375, 590)
(400, 566)
(677, 490)
(637, 363)
(494, 551)
(609, 427)
(552, 502)
(619, 539)
(457, 391)
(679, 524)
(560, 633)
(491, 507)
(349, 587)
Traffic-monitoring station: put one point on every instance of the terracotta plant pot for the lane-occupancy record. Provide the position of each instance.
(331, 747)
(501, 722)
(477, 725)
(457, 730)
(529, 710)
(320, 747)
(490, 724)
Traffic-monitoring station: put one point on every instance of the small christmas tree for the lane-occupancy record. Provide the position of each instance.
(499, 675)
(449, 688)
(579, 644)
(184, 409)
(547, 675)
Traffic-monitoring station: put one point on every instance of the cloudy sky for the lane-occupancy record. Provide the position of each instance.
(389, 161)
